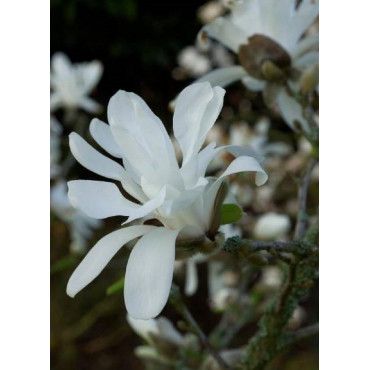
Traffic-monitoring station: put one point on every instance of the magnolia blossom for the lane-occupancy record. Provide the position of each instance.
(80, 226)
(272, 226)
(181, 198)
(72, 83)
(267, 37)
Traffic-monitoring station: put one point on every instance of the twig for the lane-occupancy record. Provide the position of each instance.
(302, 334)
(177, 302)
(302, 216)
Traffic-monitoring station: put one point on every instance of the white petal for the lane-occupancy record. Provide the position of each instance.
(99, 256)
(240, 164)
(94, 161)
(224, 76)
(246, 164)
(196, 111)
(89, 105)
(253, 84)
(61, 65)
(307, 60)
(55, 101)
(191, 277)
(226, 32)
(218, 77)
(142, 138)
(148, 207)
(91, 74)
(209, 152)
(143, 328)
(99, 199)
(306, 44)
(149, 273)
(291, 110)
(169, 332)
(102, 134)
(305, 15)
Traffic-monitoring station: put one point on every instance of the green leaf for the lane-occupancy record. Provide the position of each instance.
(230, 213)
(116, 287)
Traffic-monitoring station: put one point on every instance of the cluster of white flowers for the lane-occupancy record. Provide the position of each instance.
(71, 85)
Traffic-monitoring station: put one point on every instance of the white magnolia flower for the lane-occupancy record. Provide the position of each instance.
(181, 198)
(272, 226)
(260, 31)
(55, 153)
(80, 226)
(72, 83)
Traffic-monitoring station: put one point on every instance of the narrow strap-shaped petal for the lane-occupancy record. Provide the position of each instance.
(96, 162)
(99, 199)
(149, 273)
(219, 77)
(142, 138)
(291, 110)
(102, 134)
(225, 32)
(305, 15)
(306, 44)
(91, 73)
(191, 277)
(99, 256)
(61, 65)
(240, 164)
(196, 111)
(89, 105)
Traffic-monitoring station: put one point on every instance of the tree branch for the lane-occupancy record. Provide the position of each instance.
(177, 302)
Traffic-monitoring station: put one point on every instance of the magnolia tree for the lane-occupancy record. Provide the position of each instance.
(188, 200)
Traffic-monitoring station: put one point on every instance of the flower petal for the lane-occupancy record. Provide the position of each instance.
(196, 111)
(142, 138)
(240, 164)
(94, 161)
(91, 73)
(149, 273)
(99, 256)
(89, 105)
(61, 65)
(102, 134)
(99, 199)
(226, 32)
(191, 277)
(291, 110)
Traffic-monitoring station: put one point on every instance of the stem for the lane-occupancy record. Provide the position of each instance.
(177, 302)
(302, 216)
(303, 333)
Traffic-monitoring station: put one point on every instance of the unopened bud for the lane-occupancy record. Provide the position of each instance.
(271, 71)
